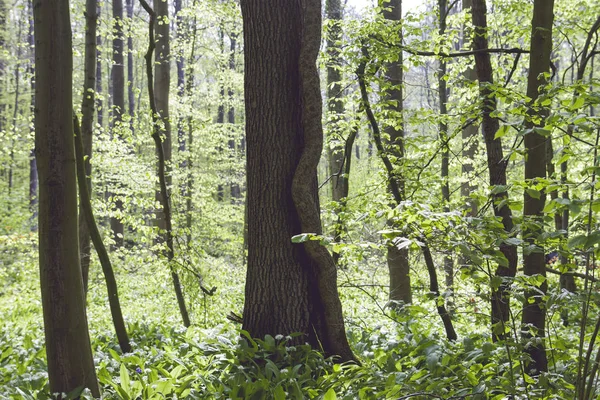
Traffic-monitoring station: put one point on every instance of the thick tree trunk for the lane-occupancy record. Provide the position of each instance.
(534, 311)
(397, 259)
(118, 98)
(289, 287)
(497, 170)
(87, 129)
(68, 350)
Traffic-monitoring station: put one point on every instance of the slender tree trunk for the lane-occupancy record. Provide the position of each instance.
(88, 215)
(221, 111)
(335, 115)
(397, 259)
(99, 102)
(234, 187)
(3, 30)
(118, 98)
(189, 183)
(445, 145)
(162, 82)
(289, 287)
(33, 176)
(497, 170)
(534, 311)
(87, 129)
(158, 129)
(68, 350)
(130, 69)
(469, 147)
(394, 187)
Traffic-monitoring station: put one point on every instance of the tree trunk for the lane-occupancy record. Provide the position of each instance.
(158, 127)
(118, 98)
(221, 113)
(289, 287)
(87, 129)
(68, 350)
(99, 102)
(394, 187)
(33, 176)
(234, 187)
(445, 146)
(397, 259)
(335, 114)
(469, 142)
(3, 31)
(496, 162)
(162, 82)
(130, 94)
(534, 311)
(94, 233)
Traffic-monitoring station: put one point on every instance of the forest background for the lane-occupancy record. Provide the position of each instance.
(457, 190)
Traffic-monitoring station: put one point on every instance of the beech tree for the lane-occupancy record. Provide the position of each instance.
(497, 164)
(69, 355)
(118, 98)
(397, 259)
(534, 312)
(290, 287)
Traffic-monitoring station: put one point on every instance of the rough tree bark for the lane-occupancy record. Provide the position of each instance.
(496, 162)
(289, 287)
(534, 311)
(68, 350)
(397, 259)
(87, 129)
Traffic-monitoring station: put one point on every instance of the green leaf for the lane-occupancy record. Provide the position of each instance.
(577, 104)
(542, 132)
(301, 238)
(501, 132)
(499, 189)
(513, 241)
(577, 241)
(330, 395)
(279, 393)
(125, 380)
(534, 194)
(593, 239)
